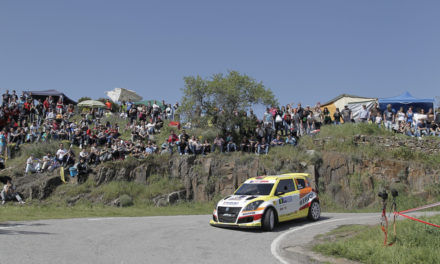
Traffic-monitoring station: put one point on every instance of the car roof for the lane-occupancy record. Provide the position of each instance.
(282, 176)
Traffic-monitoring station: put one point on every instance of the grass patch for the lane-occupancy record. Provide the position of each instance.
(31, 211)
(417, 243)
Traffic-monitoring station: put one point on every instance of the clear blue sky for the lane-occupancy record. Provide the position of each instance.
(304, 51)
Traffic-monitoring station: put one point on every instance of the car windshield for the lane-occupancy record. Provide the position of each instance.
(254, 189)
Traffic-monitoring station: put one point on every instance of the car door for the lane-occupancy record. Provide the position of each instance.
(288, 199)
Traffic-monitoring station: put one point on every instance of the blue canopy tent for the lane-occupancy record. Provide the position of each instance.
(406, 100)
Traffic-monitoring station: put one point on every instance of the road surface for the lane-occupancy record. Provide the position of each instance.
(161, 239)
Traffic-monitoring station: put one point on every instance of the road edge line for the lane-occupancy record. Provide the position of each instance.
(276, 241)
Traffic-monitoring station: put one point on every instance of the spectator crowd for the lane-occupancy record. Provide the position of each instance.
(26, 120)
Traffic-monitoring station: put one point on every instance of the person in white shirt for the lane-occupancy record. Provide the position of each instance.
(150, 128)
(378, 120)
(30, 165)
(364, 114)
(84, 154)
(61, 154)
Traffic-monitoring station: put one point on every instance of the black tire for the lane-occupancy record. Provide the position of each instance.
(269, 220)
(314, 211)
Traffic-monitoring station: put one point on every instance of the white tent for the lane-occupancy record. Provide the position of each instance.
(122, 94)
(356, 107)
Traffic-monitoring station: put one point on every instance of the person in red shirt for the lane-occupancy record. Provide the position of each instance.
(108, 104)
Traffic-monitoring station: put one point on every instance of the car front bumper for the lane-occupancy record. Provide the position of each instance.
(233, 225)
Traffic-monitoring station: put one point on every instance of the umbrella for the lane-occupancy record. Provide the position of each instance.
(145, 102)
(91, 103)
(122, 94)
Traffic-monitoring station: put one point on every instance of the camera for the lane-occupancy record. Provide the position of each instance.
(394, 193)
(383, 194)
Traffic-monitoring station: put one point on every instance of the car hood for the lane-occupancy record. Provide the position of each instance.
(237, 200)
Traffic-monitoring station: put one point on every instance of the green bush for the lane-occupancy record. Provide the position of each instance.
(125, 200)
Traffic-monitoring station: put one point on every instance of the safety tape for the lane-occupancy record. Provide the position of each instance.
(402, 213)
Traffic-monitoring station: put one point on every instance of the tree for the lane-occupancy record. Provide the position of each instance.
(85, 98)
(221, 98)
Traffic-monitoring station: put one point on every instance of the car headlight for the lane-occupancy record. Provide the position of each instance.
(253, 206)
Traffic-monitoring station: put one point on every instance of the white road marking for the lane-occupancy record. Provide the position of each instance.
(276, 241)
(9, 227)
(100, 219)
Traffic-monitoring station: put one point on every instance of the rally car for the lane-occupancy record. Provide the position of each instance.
(263, 201)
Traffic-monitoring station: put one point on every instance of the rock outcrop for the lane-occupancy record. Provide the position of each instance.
(349, 182)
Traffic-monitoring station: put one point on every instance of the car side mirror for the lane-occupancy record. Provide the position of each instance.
(279, 193)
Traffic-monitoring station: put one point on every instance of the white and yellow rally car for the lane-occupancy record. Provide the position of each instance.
(266, 200)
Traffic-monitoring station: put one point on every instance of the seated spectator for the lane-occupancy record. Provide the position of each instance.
(230, 145)
(47, 162)
(206, 147)
(219, 143)
(262, 147)
(245, 145)
(191, 144)
(30, 166)
(253, 144)
(422, 129)
(61, 154)
(9, 193)
(183, 146)
(277, 141)
(81, 166)
(290, 140)
(198, 147)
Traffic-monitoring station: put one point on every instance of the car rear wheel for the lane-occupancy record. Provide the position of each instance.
(268, 220)
(314, 211)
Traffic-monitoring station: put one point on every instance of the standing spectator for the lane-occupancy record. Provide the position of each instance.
(337, 117)
(278, 121)
(5, 98)
(388, 117)
(108, 105)
(373, 112)
(327, 117)
(60, 105)
(401, 116)
(2, 142)
(410, 115)
(346, 115)
(378, 119)
(430, 117)
(9, 193)
(169, 112)
(364, 114)
(287, 119)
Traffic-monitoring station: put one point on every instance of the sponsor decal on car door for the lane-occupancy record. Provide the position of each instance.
(288, 202)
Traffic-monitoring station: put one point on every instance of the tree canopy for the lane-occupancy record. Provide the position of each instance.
(220, 98)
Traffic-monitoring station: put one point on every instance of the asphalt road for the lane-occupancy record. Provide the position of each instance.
(164, 239)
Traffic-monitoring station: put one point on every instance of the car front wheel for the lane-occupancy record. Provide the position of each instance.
(268, 220)
(314, 211)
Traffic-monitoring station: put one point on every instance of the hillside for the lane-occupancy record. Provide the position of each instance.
(349, 164)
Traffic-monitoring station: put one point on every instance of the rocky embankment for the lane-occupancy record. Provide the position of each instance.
(350, 183)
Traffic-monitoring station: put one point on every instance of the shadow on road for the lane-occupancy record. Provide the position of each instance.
(10, 229)
(15, 232)
(281, 227)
